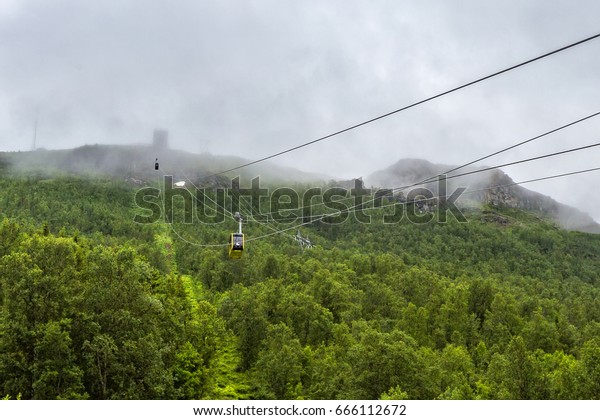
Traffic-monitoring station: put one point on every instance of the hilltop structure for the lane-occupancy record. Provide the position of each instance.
(160, 139)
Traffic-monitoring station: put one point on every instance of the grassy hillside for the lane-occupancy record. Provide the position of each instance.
(96, 306)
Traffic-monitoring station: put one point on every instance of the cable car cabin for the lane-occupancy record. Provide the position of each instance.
(236, 245)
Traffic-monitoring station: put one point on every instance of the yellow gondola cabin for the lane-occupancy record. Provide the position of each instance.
(236, 245)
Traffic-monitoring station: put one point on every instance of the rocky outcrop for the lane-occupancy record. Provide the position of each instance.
(493, 187)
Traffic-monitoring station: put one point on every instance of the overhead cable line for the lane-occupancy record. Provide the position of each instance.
(488, 169)
(550, 177)
(414, 104)
(321, 217)
(514, 146)
(171, 224)
(562, 152)
(422, 182)
(455, 176)
(422, 199)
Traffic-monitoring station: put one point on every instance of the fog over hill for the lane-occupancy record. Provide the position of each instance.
(137, 162)
(492, 187)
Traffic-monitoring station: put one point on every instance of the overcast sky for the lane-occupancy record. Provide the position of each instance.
(251, 78)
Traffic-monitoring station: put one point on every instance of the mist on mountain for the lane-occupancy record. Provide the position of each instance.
(490, 187)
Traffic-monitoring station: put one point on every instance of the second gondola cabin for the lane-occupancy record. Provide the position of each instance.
(236, 245)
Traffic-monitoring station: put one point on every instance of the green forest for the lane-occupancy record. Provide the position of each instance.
(95, 306)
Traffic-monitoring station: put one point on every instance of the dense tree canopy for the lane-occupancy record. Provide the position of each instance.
(93, 305)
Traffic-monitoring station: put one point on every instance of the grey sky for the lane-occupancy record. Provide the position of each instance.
(251, 78)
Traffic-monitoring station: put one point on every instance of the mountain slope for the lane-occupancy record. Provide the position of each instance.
(493, 187)
(137, 163)
(93, 305)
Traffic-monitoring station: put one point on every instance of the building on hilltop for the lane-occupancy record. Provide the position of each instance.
(160, 139)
